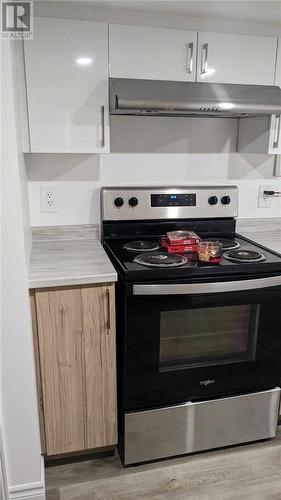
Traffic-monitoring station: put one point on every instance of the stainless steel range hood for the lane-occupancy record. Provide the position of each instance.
(170, 98)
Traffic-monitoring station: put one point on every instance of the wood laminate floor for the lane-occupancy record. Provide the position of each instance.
(251, 472)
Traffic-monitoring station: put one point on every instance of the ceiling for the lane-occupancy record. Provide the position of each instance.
(248, 10)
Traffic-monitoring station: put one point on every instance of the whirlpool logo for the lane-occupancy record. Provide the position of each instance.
(207, 382)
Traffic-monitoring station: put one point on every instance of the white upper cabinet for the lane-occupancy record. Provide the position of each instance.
(278, 65)
(262, 134)
(275, 124)
(274, 141)
(67, 88)
(227, 58)
(169, 54)
(152, 53)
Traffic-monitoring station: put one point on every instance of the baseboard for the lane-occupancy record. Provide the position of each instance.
(79, 456)
(31, 491)
(28, 496)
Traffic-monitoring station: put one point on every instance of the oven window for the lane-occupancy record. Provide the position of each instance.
(214, 335)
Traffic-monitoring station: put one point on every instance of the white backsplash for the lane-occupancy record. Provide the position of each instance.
(78, 178)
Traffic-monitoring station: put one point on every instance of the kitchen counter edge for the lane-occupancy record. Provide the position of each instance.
(68, 256)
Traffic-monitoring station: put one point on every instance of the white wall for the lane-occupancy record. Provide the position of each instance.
(86, 11)
(3, 473)
(19, 415)
(19, 108)
(78, 201)
(143, 134)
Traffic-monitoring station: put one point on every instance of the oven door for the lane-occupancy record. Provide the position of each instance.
(196, 340)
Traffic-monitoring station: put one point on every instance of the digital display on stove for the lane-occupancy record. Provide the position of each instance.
(173, 200)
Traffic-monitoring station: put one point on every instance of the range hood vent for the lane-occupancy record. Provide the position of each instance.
(170, 98)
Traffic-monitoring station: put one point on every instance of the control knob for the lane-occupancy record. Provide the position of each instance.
(119, 202)
(213, 200)
(225, 200)
(133, 201)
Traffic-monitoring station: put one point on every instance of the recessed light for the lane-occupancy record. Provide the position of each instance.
(84, 61)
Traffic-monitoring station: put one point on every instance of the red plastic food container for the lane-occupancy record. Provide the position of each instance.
(190, 248)
(182, 238)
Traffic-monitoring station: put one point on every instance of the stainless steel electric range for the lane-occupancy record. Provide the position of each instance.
(199, 345)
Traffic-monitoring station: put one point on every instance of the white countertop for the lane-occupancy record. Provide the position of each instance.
(266, 232)
(73, 255)
(68, 255)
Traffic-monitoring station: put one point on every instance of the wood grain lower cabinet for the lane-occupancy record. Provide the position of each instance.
(75, 338)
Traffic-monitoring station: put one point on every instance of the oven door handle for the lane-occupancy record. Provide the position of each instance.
(202, 288)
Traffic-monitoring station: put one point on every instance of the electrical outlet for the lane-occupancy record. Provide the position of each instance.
(265, 201)
(48, 198)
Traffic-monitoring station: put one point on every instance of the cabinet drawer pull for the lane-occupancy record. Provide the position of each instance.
(277, 133)
(204, 58)
(108, 323)
(189, 57)
(102, 142)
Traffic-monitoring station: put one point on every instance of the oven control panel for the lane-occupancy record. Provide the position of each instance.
(143, 203)
(173, 200)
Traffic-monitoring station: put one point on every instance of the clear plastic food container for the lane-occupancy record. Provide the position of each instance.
(210, 252)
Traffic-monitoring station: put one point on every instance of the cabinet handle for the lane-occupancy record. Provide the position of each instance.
(108, 323)
(102, 142)
(277, 133)
(204, 58)
(189, 57)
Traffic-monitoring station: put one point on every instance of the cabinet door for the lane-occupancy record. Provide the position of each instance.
(76, 336)
(67, 94)
(275, 129)
(274, 143)
(152, 53)
(260, 134)
(278, 65)
(227, 58)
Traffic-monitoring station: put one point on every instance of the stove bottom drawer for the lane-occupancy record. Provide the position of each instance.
(191, 427)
